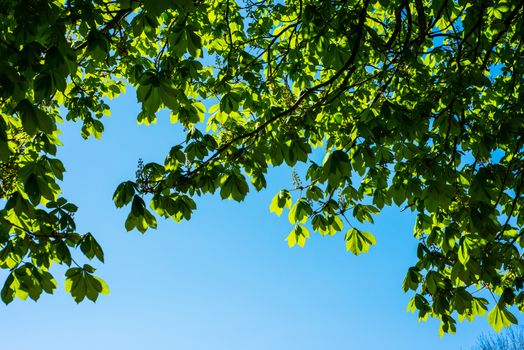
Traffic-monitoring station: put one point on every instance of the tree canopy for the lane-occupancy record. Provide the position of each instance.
(413, 103)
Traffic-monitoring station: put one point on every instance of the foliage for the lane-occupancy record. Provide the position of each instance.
(413, 103)
(509, 339)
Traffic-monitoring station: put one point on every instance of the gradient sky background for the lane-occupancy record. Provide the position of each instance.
(225, 280)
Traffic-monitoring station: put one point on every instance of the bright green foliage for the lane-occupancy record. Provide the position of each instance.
(298, 235)
(500, 317)
(280, 201)
(359, 241)
(81, 283)
(416, 103)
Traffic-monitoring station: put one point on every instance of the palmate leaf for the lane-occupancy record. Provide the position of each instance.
(336, 167)
(300, 212)
(499, 317)
(124, 193)
(90, 247)
(81, 284)
(412, 279)
(234, 186)
(358, 241)
(298, 235)
(327, 225)
(280, 201)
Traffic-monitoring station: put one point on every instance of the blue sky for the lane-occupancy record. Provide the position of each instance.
(225, 280)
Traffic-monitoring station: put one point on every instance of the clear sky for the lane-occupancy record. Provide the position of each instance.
(224, 280)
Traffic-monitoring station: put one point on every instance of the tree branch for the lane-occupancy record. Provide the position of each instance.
(115, 21)
(349, 63)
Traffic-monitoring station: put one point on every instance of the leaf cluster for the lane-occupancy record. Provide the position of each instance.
(411, 103)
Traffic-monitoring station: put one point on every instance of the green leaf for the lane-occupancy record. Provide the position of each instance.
(412, 279)
(8, 292)
(280, 201)
(178, 40)
(234, 186)
(230, 102)
(298, 235)
(194, 43)
(499, 317)
(44, 86)
(28, 115)
(463, 253)
(336, 167)
(300, 212)
(75, 284)
(104, 288)
(138, 207)
(90, 247)
(124, 193)
(358, 241)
